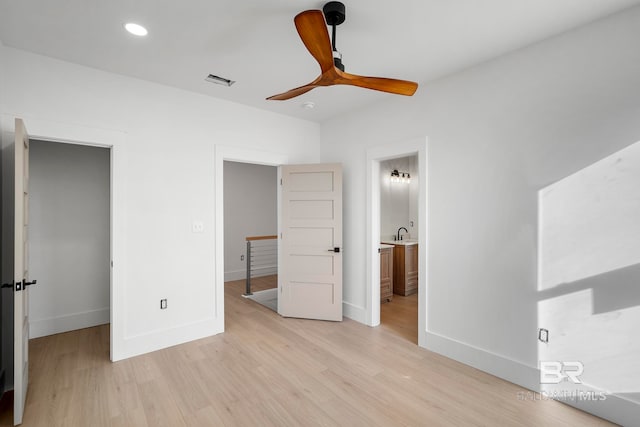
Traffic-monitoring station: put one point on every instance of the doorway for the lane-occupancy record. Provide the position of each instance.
(250, 220)
(375, 158)
(69, 236)
(309, 181)
(399, 252)
(232, 154)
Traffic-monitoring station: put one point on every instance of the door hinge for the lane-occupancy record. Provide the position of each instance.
(280, 181)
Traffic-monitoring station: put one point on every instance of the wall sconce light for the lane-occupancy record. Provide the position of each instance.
(402, 177)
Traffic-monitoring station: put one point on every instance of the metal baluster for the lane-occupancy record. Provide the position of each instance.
(248, 280)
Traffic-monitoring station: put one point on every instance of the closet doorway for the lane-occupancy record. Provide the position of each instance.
(70, 238)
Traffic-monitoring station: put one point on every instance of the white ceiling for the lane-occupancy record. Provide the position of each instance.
(255, 42)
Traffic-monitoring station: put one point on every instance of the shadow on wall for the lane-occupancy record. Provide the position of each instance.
(589, 275)
(611, 291)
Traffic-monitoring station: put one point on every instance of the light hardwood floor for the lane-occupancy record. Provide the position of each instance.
(269, 371)
(400, 317)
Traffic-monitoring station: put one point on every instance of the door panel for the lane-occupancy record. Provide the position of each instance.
(300, 236)
(311, 209)
(310, 271)
(21, 269)
(311, 181)
(312, 265)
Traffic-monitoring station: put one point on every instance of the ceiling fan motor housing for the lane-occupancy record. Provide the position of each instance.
(334, 12)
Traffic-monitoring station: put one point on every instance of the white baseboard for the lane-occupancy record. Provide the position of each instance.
(164, 338)
(502, 367)
(354, 312)
(69, 322)
(616, 409)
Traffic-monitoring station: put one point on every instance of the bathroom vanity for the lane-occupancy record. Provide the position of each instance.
(405, 267)
(386, 272)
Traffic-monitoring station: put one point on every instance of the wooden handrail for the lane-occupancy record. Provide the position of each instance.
(248, 239)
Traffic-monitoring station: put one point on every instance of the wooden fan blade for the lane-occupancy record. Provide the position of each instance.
(399, 87)
(292, 93)
(312, 29)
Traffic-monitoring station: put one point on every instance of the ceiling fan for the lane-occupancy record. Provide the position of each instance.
(312, 29)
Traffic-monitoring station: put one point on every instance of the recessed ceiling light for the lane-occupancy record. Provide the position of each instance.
(136, 29)
(308, 105)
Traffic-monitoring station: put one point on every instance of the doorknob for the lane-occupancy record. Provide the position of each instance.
(336, 250)
(29, 283)
(7, 285)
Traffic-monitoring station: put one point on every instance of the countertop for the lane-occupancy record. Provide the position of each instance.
(385, 246)
(400, 242)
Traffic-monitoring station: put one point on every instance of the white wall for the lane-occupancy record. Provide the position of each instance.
(398, 206)
(590, 272)
(250, 209)
(497, 133)
(163, 178)
(590, 221)
(69, 232)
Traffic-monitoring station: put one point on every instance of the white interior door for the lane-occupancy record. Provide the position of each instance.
(21, 272)
(310, 245)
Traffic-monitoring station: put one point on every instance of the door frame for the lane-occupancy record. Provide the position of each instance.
(115, 141)
(242, 155)
(418, 147)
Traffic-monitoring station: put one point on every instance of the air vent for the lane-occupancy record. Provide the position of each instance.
(219, 80)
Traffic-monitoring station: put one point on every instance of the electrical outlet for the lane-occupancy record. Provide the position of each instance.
(163, 304)
(241, 257)
(543, 335)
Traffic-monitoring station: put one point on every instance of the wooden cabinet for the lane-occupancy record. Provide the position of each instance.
(405, 272)
(386, 274)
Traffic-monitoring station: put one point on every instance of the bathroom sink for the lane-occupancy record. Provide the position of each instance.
(400, 242)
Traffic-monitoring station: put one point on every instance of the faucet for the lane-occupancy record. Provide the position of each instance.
(399, 236)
